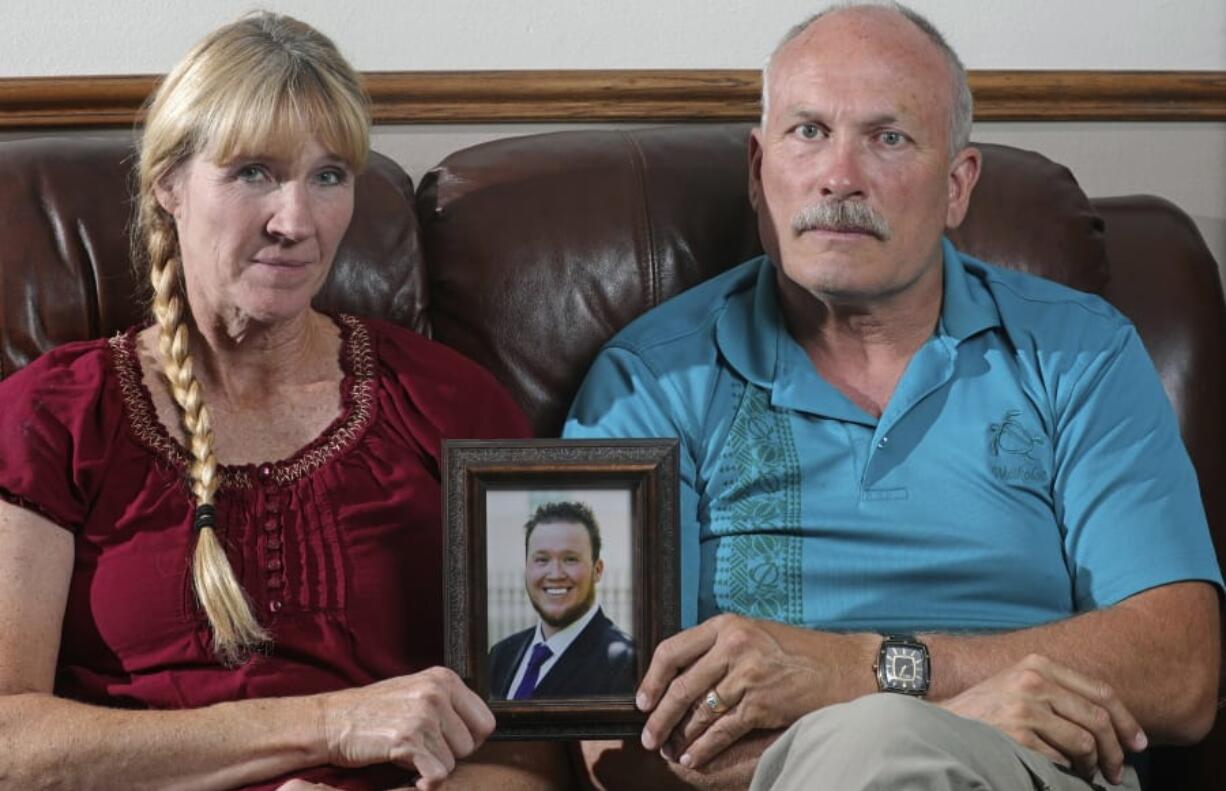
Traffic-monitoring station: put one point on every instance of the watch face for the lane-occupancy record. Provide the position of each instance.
(905, 669)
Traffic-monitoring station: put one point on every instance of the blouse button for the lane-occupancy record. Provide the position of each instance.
(274, 605)
(274, 564)
(273, 544)
(275, 581)
(270, 525)
(273, 506)
(265, 472)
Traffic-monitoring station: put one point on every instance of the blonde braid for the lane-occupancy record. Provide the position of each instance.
(236, 632)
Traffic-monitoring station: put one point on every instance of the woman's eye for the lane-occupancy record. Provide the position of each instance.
(251, 173)
(333, 177)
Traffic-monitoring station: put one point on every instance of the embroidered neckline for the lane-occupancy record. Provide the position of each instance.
(357, 388)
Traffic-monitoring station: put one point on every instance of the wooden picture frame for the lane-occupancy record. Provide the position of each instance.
(632, 486)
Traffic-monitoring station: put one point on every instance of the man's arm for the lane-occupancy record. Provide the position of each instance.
(1155, 654)
(1158, 650)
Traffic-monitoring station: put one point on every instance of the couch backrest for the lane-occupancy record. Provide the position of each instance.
(65, 207)
(540, 248)
(608, 224)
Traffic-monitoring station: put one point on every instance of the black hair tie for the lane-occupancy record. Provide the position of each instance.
(206, 516)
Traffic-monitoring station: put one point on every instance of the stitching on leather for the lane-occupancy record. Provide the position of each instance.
(638, 161)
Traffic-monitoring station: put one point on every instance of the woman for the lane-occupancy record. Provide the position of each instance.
(176, 608)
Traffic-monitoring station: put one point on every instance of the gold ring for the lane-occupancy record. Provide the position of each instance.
(714, 703)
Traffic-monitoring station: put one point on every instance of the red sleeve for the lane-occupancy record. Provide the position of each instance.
(56, 427)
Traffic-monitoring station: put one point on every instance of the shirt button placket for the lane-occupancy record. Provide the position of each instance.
(274, 564)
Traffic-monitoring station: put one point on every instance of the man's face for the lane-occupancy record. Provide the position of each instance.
(859, 115)
(559, 574)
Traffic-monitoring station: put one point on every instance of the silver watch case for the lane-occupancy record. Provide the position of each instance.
(903, 666)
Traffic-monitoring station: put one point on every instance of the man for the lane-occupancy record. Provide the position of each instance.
(575, 650)
(904, 470)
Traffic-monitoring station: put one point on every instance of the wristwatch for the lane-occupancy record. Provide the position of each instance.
(902, 665)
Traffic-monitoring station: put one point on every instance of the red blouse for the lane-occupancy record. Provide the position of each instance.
(339, 547)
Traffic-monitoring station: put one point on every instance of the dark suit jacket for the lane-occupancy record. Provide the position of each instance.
(601, 661)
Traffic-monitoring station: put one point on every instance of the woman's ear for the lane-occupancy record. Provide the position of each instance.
(166, 190)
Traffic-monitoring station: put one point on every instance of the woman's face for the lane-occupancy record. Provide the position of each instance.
(257, 234)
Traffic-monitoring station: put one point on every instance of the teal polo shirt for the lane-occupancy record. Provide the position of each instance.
(1027, 467)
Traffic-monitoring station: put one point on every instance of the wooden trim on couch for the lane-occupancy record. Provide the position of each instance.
(645, 96)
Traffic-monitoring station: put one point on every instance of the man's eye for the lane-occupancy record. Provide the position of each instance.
(809, 131)
(891, 138)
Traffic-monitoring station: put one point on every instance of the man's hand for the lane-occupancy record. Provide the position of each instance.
(765, 675)
(1074, 720)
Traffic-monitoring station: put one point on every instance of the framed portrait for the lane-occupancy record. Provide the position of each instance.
(562, 576)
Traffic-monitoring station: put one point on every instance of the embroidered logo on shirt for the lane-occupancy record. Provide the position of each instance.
(758, 572)
(1013, 447)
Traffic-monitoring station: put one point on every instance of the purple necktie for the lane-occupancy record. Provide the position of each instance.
(540, 652)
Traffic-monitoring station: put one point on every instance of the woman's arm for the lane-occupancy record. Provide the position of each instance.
(426, 720)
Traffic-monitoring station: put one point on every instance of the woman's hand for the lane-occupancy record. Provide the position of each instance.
(426, 721)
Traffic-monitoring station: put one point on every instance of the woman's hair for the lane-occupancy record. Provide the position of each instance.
(266, 83)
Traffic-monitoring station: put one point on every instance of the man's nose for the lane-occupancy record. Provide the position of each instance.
(293, 216)
(842, 171)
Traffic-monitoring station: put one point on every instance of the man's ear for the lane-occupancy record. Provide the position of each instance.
(597, 570)
(757, 197)
(754, 152)
(963, 175)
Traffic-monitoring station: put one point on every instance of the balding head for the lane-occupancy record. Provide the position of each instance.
(887, 15)
(856, 173)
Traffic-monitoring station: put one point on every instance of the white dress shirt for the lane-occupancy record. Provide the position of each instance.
(560, 641)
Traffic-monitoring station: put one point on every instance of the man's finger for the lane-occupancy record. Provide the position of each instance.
(701, 715)
(1048, 751)
(1095, 720)
(719, 737)
(1127, 729)
(680, 696)
(670, 658)
(1076, 745)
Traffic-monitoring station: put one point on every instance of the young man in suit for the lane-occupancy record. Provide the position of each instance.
(574, 650)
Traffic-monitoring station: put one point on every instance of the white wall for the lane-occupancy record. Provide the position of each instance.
(148, 36)
(1183, 162)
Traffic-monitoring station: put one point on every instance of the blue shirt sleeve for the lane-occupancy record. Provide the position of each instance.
(1125, 490)
(623, 397)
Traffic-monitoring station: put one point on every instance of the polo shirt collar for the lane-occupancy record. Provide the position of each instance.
(750, 328)
(967, 308)
(754, 340)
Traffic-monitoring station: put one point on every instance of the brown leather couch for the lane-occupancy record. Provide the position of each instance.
(528, 253)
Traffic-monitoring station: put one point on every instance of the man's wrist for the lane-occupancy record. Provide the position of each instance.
(843, 659)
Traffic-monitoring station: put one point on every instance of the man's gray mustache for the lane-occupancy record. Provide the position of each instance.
(841, 215)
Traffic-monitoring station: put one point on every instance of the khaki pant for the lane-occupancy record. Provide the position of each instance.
(898, 743)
